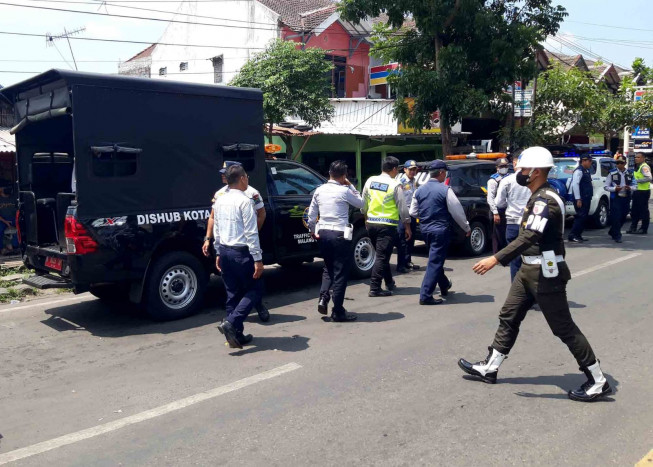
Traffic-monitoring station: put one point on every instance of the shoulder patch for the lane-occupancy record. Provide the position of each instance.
(539, 206)
(379, 186)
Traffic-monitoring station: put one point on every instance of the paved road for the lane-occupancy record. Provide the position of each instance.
(89, 384)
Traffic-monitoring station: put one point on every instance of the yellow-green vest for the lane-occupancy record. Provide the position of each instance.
(382, 208)
(642, 186)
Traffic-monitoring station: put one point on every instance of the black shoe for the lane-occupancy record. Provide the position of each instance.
(445, 292)
(467, 367)
(431, 301)
(226, 328)
(631, 231)
(343, 317)
(244, 339)
(640, 232)
(414, 267)
(581, 395)
(379, 293)
(575, 240)
(618, 240)
(323, 306)
(391, 286)
(583, 239)
(263, 313)
(401, 270)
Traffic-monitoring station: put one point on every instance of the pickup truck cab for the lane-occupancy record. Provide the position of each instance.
(115, 177)
(560, 177)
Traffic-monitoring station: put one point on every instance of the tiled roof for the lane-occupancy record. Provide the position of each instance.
(7, 141)
(409, 23)
(143, 53)
(293, 12)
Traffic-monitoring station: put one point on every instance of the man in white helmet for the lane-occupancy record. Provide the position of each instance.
(542, 279)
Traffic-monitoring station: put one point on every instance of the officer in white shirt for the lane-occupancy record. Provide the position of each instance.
(259, 207)
(239, 255)
(620, 183)
(498, 214)
(405, 247)
(331, 203)
(513, 198)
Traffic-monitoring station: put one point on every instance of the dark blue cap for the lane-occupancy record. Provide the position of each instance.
(437, 165)
(410, 163)
(585, 157)
(228, 164)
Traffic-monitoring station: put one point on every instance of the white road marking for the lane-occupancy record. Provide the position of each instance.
(605, 265)
(71, 438)
(41, 303)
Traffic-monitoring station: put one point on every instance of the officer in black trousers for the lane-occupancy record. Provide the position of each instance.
(436, 206)
(239, 255)
(620, 183)
(582, 190)
(331, 203)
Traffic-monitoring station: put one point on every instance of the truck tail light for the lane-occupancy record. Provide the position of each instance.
(17, 224)
(78, 240)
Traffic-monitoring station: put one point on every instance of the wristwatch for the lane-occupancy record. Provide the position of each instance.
(208, 239)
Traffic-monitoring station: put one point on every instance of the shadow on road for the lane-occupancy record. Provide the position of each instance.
(459, 298)
(565, 382)
(282, 344)
(364, 317)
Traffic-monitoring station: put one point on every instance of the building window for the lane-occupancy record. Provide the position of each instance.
(337, 76)
(183, 66)
(163, 71)
(217, 68)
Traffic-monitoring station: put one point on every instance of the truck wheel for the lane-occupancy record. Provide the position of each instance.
(601, 217)
(111, 293)
(175, 286)
(477, 242)
(363, 253)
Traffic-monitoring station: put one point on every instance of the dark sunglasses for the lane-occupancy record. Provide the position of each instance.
(621, 163)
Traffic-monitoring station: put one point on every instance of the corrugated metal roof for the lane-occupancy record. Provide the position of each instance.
(7, 140)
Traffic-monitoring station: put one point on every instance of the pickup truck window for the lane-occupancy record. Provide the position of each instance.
(114, 161)
(291, 179)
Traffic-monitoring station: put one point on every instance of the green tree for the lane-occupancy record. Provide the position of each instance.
(640, 69)
(293, 82)
(461, 54)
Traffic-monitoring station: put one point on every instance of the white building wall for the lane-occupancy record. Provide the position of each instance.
(255, 27)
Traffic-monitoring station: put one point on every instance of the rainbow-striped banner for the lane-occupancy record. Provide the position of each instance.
(379, 74)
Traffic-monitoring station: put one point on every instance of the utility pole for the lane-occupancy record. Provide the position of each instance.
(49, 40)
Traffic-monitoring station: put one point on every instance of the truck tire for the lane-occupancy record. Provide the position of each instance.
(111, 293)
(175, 286)
(601, 218)
(363, 254)
(477, 242)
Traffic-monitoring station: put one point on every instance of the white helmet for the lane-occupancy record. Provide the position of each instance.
(535, 157)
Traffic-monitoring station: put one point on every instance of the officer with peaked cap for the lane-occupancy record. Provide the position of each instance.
(405, 247)
(498, 213)
(436, 206)
(257, 201)
(542, 279)
(582, 190)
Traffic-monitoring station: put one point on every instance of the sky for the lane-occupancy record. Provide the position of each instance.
(615, 31)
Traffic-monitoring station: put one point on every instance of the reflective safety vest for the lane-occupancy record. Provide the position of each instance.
(382, 208)
(642, 186)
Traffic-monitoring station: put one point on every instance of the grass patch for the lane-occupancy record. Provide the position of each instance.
(9, 271)
(13, 294)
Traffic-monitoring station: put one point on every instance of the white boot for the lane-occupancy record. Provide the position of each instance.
(486, 370)
(595, 386)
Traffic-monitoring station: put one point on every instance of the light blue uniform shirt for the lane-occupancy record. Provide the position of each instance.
(331, 202)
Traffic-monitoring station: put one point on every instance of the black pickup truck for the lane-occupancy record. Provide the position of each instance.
(114, 179)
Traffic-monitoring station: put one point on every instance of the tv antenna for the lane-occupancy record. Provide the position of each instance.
(49, 40)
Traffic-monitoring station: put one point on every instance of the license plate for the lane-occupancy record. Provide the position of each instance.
(53, 263)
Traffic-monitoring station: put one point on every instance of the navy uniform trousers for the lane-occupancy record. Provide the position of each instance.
(640, 209)
(619, 207)
(437, 241)
(405, 247)
(384, 238)
(243, 291)
(580, 218)
(336, 252)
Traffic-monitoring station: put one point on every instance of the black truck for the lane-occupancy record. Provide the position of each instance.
(114, 179)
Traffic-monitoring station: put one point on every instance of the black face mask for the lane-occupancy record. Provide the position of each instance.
(522, 179)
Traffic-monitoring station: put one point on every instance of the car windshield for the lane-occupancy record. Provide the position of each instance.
(563, 170)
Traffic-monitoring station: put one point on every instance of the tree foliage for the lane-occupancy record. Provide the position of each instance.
(293, 82)
(461, 54)
(644, 72)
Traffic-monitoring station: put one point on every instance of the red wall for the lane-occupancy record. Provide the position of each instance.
(335, 41)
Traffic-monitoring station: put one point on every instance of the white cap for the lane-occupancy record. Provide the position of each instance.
(535, 157)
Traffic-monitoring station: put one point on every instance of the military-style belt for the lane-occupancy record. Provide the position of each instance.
(327, 226)
(538, 259)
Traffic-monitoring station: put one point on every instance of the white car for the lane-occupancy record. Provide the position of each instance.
(601, 167)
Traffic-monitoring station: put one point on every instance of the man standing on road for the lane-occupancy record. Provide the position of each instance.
(405, 247)
(513, 197)
(582, 190)
(542, 279)
(239, 256)
(641, 196)
(257, 201)
(498, 213)
(333, 231)
(620, 183)
(436, 205)
(384, 207)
